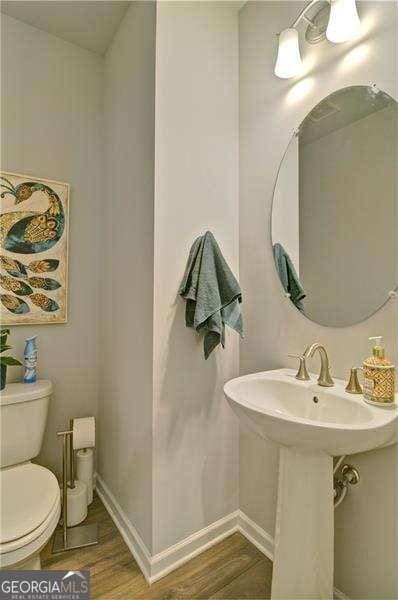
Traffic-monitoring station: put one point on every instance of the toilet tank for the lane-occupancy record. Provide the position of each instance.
(23, 414)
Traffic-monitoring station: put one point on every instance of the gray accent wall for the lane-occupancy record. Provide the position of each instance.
(127, 242)
(51, 127)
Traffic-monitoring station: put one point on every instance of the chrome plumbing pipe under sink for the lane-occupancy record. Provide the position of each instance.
(349, 475)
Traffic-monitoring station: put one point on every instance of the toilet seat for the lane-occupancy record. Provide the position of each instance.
(30, 509)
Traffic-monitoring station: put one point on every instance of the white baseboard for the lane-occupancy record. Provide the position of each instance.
(256, 535)
(157, 566)
(173, 557)
(127, 530)
(339, 595)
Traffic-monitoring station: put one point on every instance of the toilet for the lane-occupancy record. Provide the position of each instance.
(30, 498)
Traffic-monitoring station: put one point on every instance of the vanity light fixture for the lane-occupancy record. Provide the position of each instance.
(288, 62)
(344, 21)
(336, 20)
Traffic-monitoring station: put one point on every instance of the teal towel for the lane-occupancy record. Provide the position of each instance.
(288, 276)
(212, 294)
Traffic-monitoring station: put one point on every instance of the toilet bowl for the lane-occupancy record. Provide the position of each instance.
(30, 497)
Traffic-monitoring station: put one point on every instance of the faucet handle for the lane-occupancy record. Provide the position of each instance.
(353, 386)
(302, 373)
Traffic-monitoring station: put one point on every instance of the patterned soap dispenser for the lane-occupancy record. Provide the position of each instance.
(378, 376)
(30, 360)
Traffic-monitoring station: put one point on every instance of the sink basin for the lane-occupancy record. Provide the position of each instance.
(311, 424)
(303, 414)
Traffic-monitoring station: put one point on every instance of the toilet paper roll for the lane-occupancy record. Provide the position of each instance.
(83, 433)
(85, 470)
(77, 503)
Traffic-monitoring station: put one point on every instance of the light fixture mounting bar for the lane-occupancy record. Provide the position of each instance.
(307, 20)
(302, 14)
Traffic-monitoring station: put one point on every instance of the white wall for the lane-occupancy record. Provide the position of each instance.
(125, 404)
(168, 453)
(270, 109)
(51, 127)
(196, 437)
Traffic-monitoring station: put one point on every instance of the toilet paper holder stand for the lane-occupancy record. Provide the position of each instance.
(70, 538)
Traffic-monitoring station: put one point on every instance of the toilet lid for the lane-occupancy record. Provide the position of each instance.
(28, 494)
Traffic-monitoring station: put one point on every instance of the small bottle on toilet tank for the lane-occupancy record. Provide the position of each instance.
(30, 360)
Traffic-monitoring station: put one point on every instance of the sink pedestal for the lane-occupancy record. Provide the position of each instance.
(303, 561)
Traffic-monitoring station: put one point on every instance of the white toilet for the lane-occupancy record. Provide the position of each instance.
(30, 497)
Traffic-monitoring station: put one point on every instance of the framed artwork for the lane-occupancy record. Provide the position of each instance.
(34, 217)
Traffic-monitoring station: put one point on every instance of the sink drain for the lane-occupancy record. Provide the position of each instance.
(315, 399)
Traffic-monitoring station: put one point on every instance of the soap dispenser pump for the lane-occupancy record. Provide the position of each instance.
(378, 375)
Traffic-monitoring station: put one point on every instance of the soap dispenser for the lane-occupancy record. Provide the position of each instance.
(378, 375)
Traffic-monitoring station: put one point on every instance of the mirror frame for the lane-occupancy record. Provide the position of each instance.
(393, 294)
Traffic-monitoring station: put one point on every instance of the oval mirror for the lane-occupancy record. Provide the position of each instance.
(334, 222)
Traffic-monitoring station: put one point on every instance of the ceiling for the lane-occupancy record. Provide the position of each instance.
(89, 24)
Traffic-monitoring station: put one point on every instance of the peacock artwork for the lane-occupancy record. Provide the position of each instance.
(34, 250)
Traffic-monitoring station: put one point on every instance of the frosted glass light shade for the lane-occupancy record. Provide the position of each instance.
(344, 21)
(288, 62)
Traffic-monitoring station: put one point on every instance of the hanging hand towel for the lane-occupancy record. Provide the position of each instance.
(288, 276)
(211, 292)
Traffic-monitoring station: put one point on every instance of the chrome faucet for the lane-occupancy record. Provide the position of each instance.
(324, 378)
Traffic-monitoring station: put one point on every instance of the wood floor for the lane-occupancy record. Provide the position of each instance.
(233, 569)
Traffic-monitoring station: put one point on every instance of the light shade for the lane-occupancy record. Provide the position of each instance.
(344, 21)
(288, 62)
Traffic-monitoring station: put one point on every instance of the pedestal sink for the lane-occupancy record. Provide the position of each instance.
(311, 424)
